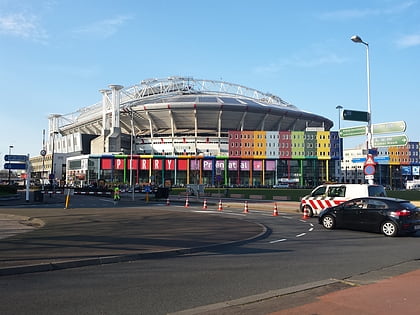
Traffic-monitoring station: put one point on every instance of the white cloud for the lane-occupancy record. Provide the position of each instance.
(409, 41)
(103, 29)
(23, 26)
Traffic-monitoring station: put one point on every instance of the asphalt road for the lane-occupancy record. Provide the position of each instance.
(295, 253)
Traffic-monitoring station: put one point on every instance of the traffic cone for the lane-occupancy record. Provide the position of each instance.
(187, 204)
(275, 212)
(246, 207)
(205, 204)
(305, 214)
(168, 202)
(220, 206)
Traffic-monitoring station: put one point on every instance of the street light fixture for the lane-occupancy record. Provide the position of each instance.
(339, 108)
(358, 39)
(10, 151)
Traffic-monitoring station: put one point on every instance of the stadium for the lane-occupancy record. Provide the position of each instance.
(185, 130)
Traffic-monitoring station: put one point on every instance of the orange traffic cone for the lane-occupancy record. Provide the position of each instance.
(305, 213)
(205, 204)
(246, 207)
(187, 204)
(168, 203)
(275, 212)
(220, 206)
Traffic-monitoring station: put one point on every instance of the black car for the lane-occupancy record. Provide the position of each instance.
(389, 216)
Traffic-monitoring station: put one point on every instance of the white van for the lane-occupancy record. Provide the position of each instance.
(326, 196)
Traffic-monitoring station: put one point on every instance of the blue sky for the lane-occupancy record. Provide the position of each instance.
(56, 54)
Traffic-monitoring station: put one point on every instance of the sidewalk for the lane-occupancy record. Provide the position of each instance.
(395, 295)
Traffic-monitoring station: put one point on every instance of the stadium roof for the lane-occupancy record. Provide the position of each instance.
(187, 104)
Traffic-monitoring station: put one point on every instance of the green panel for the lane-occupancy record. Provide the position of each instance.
(355, 115)
(390, 141)
(390, 127)
(353, 131)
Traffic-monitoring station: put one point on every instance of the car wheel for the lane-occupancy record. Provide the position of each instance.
(309, 210)
(328, 222)
(389, 228)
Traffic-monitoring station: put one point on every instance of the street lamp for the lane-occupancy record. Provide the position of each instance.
(52, 175)
(339, 108)
(357, 39)
(10, 151)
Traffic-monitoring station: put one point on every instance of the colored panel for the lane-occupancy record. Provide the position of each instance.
(106, 164)
(157, 164)
(144, 164)
(233, 165)
(194, 165)
(133, 164)
(270, 165)
(207, 165)
(170, 164)
(182, 165)
(257, 165)
(245, 165)
(119, 164)
(220, 164)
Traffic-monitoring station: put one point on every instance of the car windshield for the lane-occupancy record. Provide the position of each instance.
(377, 191)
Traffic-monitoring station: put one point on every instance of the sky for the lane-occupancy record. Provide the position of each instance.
(55, 55)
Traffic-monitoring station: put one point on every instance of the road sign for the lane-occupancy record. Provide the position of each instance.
(355, 115)
(389, 127)
(14, 166)
(353, 131)
(369, 170)
(16, 158)
(390, 141)
(369, 160)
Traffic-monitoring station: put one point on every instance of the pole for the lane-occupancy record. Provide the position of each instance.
(10, 171)
(357, 39)
(131, 156)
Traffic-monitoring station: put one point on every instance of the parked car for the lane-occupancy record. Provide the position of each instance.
(390, 216)
(330, 195)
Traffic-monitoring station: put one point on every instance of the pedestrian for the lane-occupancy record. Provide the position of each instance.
(117, 196)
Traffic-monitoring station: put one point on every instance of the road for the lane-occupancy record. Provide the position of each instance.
(296, 252)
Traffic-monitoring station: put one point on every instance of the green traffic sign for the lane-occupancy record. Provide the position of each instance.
(353, 131)
(355, 115)
(390, 127)
(390, 141)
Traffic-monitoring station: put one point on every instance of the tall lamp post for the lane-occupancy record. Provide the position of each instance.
(357, 39)
(10, 152)
(52, 175)
(339, 108)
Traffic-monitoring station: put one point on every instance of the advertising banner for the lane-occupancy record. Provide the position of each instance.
(106, 164)
(119, 164)
(207, 165)
(133, 164)
(195, 165)
(270, 165)
(182, 165)
(245, 165)
(406, 170)
(144, 164)
(157, 164)
(170, 164)
(257, 166)
(233, 165)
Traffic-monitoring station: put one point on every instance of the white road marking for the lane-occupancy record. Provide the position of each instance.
(280, 240)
